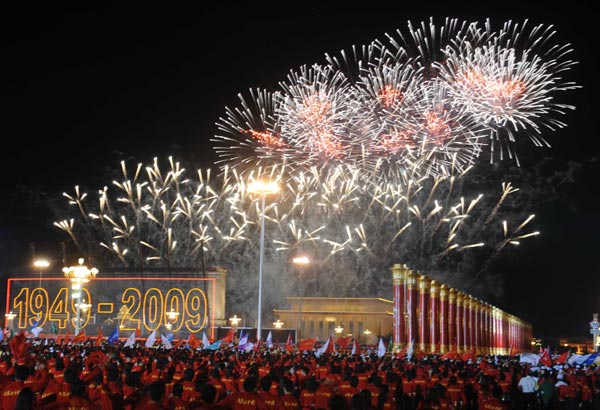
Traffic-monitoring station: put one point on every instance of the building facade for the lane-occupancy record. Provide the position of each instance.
(431, 315)
(365, 319)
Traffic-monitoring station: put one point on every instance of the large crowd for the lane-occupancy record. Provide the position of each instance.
(36, 374)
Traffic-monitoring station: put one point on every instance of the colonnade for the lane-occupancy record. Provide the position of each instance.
(440, 319)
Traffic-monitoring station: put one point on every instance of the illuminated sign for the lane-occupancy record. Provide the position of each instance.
(142, 304)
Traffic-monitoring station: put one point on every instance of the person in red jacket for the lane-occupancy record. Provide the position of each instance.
(12, 390)
(456, 393)
(247, 399)
(272, 401)
(288, 399)
(215, 379)
(79, 399)
(208, 393)
(350, 389)
(494, 402)
(175, 402)
(155, 397)
(323, 394)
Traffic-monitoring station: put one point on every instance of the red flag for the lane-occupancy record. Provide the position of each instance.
(192, 341)
(562, 358)
(438, 347)
(343, 342)
(96, 358)
(331, 346)
(99, 338)
(289, 346)
(451, 355)
(545, 359)
(66, 338)
(58, 340)
(258, 345)
(80, 337)
(402, 353)
(229, 336)
(468, 355)
(307, 344)
(18, 345)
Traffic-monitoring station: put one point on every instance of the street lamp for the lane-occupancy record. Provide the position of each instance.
(172, 316)
(83, 308)
(79, 275)
(339, 329)
(9, 319)
(278, 324)
(263, 189)
(302, 262)
(41, 264)
(235, 321)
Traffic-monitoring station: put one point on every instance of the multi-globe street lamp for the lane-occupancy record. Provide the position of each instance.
(79, 275)
(263, 189)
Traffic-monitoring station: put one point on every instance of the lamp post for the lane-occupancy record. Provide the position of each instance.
(172, 316)
(235, 321)
(595, 331)
(79, 275)
(367, 332)
(302, 262)
(41, 264)
(9, 319)
(263, 189)
(83, 308)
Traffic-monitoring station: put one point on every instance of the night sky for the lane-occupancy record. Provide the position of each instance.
(85, 88)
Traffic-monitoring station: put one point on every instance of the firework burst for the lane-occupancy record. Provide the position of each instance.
(424, 102)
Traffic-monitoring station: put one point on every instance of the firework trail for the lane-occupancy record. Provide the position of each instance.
(353, 228)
